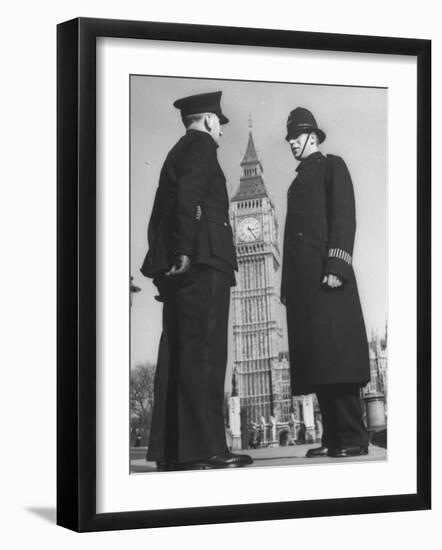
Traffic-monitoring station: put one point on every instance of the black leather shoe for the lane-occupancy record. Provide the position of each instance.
(245, 460)
(317, 452)
(223, 460)
(351, 450)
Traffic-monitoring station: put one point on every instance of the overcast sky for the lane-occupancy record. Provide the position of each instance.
(355, 122)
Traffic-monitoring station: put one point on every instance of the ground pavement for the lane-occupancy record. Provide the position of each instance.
(269, 456)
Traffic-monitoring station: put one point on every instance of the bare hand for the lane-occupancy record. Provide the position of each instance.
(331, 280)
(181, 265)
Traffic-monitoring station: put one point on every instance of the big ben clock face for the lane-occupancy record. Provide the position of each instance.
(249, 230)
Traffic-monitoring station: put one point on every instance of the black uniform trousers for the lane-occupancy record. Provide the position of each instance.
(341, 411)
(187, 422)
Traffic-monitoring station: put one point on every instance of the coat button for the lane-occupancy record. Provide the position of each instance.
(225, 224)
(299, 236)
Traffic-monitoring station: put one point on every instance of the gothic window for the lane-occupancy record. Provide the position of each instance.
(251, 273)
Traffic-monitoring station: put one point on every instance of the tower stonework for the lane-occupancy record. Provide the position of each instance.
(261, 371)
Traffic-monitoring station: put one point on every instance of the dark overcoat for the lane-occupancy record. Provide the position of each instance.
(326, 331)
(190, 214)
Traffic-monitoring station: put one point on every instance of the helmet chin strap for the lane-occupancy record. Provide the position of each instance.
(305, 144)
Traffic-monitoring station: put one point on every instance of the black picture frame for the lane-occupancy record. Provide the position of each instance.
(76, 273)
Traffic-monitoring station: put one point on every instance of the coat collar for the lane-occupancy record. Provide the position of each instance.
(311, 159)
(204, 135)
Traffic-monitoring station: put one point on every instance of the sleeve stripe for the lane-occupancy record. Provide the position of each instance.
(340, 254)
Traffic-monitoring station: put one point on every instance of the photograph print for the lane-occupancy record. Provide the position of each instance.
(258, 274)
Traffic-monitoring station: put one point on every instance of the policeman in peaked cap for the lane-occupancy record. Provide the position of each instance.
(201, 103)
(191, 259)
(327, 339)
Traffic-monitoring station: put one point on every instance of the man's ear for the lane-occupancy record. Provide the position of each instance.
(208, 122)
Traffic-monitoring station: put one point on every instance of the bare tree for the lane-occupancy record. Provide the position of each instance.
(141, 402)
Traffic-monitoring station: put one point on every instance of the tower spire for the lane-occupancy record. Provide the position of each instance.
(251, 184)
(251, 156)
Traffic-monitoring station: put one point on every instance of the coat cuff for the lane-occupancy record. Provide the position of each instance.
(183, 250)
(338, 262)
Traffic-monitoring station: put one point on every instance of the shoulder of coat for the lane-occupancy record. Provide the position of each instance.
(198, 140)
(336, 160)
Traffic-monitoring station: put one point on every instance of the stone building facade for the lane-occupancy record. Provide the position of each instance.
(261, 372)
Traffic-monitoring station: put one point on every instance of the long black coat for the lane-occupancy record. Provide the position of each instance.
(326, 331)
(190, 214)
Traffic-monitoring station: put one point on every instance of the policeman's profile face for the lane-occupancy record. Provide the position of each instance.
(300, 149)
(214, 127)
(303, 145)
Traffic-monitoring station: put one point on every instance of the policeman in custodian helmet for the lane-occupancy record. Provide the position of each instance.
(327, 340)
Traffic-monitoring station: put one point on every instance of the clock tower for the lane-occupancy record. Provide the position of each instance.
(261, 371)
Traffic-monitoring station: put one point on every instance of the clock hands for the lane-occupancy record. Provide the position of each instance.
(250, 227)
(252, 232)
